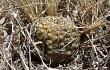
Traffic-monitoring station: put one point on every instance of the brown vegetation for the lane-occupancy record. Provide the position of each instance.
(54, 34)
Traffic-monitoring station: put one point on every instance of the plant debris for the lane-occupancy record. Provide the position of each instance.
(54, 35)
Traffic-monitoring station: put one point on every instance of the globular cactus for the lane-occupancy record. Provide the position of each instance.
(58, 33)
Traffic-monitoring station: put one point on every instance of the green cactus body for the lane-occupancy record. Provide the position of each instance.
(58, 33)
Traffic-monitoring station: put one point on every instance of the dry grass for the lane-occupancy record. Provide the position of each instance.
(19, 45)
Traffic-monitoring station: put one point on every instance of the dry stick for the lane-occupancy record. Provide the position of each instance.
(101, 52)
(38, 51)
(90, 8)
(23, 61)
(10, 66)
(94, 26)
(32, 43)
(21, 55)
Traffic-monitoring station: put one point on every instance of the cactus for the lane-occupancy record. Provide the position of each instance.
(58, 33)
